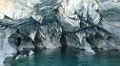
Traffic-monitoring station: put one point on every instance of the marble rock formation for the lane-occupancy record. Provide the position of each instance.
(89, 25)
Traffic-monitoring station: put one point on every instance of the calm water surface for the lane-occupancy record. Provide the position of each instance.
(67, 57)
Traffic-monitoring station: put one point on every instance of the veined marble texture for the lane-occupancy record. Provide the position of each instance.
(84, 24)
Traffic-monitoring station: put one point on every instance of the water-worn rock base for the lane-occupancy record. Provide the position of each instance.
(89, 25)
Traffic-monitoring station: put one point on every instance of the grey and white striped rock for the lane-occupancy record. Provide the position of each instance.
(83, 24)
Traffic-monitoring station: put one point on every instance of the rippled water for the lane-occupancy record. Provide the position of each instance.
(67, 57)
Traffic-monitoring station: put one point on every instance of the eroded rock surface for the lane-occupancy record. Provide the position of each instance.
(89, 25)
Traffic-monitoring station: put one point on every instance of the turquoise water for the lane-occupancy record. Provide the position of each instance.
(67, 57)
